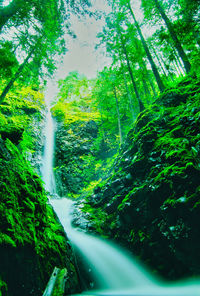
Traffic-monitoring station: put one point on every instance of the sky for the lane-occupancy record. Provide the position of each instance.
(81, 55)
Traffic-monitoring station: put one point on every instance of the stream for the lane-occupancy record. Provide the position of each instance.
(113, 270)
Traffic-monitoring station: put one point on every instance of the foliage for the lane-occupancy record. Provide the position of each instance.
(75, 102)
(3, 288)
(150, 199)
(28, 228)
(85, 137)
(20, 105)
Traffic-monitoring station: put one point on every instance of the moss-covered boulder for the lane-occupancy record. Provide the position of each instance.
(151, 200)
(77, 150)
(32, 242)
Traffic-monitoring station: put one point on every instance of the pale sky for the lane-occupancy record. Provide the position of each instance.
(81, 55)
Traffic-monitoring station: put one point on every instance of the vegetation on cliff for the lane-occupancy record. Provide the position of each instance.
(127, 142)
(31, 240)
(150, 200)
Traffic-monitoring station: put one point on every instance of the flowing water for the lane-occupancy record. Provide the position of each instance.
(112, 268)
(47, 163)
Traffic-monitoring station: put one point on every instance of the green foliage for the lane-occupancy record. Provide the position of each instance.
(3, 288)
(8, 61)
(85, 138)
(25, 216)
(150, 199)
(75, 102)
(20, 107)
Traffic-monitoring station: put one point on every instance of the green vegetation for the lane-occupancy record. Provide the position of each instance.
(28, 228)
(150, 201)
(127, 142)
(3, 288)
(80, 138)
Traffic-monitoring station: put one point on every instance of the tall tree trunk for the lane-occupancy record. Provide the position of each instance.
(178, 61)
(148, 77)
(177, 43)
(128, 93)
(165, 67)
(141, 106)
(146, 89)
(13, 79)
(118, 116)
(149, 56)
(159, 62)
(103, 132)
(152, 86)
(178, 72)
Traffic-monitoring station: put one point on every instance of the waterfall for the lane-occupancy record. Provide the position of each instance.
(47, 163)
(111, 268)
(115, 272)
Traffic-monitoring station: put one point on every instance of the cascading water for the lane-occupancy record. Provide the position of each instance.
(115, 272)
(111, 268)
(47, 163)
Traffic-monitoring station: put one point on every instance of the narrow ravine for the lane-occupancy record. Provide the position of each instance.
(115, 272)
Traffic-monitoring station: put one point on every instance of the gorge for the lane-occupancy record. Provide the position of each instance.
(99, 180)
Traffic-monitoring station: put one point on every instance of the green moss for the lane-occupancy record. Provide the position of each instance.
(17, 111)
(3, 288)
(31, 239)
(156, 209)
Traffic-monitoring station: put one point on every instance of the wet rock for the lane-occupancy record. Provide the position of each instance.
(150, 201)
(74, 149)
(14, 134)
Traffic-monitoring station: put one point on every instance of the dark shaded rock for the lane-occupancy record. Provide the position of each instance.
(74, 152)
(32, 242)
(14, 134)
(30, 110)
(150, 202)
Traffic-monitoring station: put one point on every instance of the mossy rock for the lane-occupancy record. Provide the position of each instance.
(32, 241)
(156, 212)
(13, 133)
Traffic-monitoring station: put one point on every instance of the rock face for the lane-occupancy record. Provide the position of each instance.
(151, 200)
(74, 153)
(32, 242)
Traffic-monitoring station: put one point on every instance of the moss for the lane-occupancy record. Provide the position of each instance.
(155, 211)
(3, 288)
(32, 242)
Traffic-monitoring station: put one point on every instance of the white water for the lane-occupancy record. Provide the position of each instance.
(112, 268)
(115, 271)
(47, 164)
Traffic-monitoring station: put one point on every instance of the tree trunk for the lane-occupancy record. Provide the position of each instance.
(13, 79)
(149, 56)
(118, 116)
(177, 43)
(103, 132)
(146, 89)
(141, 106)
(159, 62)
(152, 86)
(148, 77)
(178, 61)
(128, 93)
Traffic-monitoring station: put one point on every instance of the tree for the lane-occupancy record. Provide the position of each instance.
(177, 43)
(16, 75)
(19, 12)
(155, 9)
(151, 61)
